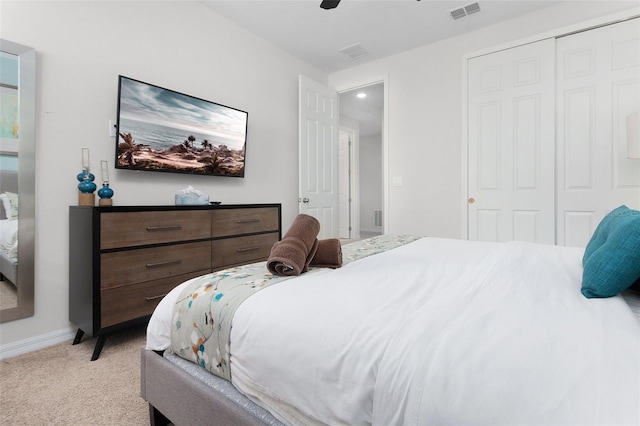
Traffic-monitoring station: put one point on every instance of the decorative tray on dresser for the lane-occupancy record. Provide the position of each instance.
(124, 259)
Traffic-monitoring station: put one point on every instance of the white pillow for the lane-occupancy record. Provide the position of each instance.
(13, 201)
(6, 204)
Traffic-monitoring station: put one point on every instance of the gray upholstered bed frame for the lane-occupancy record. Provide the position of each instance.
(176, 397)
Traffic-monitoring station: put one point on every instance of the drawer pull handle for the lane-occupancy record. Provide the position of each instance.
(248, 220)
(160, 296)
(164, 228)
(241, 250)
(166, 263)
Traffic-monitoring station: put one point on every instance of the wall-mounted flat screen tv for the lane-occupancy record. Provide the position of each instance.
(166, 131)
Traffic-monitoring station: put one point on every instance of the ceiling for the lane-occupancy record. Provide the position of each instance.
(377, 28)
(381, 27)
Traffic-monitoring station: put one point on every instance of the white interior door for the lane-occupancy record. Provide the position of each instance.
(318, 154)
(597, 88)
(511, 144)
(344, 183)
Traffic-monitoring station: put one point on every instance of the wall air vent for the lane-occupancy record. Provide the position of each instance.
(377, 218)
(464, 11)
(355, 51)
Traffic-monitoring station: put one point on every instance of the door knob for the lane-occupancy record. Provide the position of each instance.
(471, 200)
(305, 200)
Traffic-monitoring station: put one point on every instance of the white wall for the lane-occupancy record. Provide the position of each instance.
(425, 111)
(81, 48)
(371, 183)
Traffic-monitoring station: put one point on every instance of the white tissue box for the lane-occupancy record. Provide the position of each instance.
(191, 199)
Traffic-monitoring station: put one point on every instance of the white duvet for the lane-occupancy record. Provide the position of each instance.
(441, 332)
(9, 238)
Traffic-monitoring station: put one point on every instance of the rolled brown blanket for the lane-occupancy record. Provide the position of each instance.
(292, 255)
(328, 254)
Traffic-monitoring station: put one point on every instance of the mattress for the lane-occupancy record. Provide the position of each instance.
(633, 300)
(441, 331)
(9, 239)
(9, 250)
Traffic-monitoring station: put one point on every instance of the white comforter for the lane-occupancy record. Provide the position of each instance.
(441, 332)
(9, 238)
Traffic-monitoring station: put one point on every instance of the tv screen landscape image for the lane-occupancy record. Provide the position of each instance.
(162, 130)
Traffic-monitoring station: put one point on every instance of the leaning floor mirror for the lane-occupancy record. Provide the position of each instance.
(17, 179)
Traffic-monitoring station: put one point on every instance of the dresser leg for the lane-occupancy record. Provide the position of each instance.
(78, 337)
(99, 344)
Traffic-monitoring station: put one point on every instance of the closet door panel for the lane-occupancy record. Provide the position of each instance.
(579, 107)
(511, 144)
(597, 87)
(626, 172)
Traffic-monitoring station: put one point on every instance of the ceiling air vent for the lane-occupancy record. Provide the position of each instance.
(355, 51)
(472, 8)
(458, 13)
(464, 11)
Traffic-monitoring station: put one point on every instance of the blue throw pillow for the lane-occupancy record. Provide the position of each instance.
(611, 260)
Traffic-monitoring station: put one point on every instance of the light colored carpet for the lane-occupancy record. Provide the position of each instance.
(59, 385)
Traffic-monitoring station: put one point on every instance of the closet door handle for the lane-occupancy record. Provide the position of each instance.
(163, 228)
(165, 263)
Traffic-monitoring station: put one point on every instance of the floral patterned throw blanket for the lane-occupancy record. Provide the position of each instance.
(202, 316)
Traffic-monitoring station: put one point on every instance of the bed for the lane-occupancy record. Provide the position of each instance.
(408, 331)
(9, 226)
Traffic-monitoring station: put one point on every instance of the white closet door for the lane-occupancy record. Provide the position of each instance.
(597, 88)
(511, 144)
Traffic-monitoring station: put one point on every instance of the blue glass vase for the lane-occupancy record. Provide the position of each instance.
(105, 191)
(86, 185)
(86, 188)
(81, 176)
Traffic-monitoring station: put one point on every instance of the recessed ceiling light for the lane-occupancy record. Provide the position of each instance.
(361, 95)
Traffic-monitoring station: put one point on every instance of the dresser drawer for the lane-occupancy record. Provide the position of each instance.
(134, 301)
(127, 229)
(243, 221)
(241, 250)
(139, 265)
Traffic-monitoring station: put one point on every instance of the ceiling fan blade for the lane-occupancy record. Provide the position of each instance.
(329, 4)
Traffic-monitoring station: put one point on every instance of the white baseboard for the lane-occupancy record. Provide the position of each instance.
(36, 342)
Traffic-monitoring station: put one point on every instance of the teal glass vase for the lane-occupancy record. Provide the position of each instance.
(105, 191)
(86, 186)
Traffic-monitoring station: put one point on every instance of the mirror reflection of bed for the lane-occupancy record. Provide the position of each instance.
(8, 238)
(17, 180)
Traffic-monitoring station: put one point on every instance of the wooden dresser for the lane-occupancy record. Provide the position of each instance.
(124, 259)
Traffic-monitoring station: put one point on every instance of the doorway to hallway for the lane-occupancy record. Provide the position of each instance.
(361, 177)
